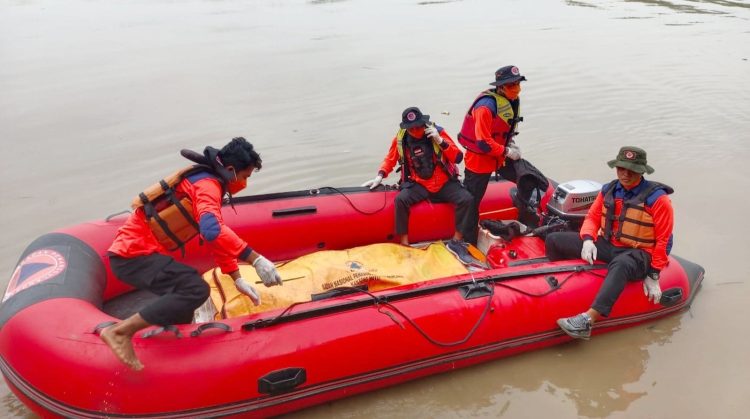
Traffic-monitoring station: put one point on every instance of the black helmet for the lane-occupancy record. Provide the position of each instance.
(507, 74)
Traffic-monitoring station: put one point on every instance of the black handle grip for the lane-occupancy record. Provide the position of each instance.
(101, 326)
(212, 325)
(294, 211)
(168, 328)
(281, 380)
(671, 297)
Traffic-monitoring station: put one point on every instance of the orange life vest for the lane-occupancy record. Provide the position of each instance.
(504, 123)
(169, 212)
(635, 226)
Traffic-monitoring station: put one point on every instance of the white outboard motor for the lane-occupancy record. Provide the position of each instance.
(572, 200)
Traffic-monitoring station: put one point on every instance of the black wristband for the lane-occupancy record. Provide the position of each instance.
(245, 253)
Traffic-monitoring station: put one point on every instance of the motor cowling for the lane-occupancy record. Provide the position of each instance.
(571, 201)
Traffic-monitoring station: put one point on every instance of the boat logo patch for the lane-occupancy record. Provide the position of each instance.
(39, 266)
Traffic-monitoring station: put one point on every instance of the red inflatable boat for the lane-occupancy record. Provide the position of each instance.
(350, 341)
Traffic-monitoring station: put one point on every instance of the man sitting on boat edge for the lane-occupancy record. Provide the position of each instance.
(427, 157)
(166, 216)
(629, 226)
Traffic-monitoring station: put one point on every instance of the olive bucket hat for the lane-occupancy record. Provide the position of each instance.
(632, 158)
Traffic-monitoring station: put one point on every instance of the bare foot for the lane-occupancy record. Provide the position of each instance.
(122, 346)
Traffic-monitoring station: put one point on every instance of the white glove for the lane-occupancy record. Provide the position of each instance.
(651, 288)
(267, 272)
(373, 183)
(588, 251)
(513, 152)
(247, 289)
(433, 134)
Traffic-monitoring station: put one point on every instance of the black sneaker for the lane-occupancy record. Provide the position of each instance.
(461, 251)
(578, 327)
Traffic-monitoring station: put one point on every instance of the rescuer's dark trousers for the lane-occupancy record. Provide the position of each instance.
(531, 179)
(412, 193)
(623, 264)
(180, 288)
(476, 184)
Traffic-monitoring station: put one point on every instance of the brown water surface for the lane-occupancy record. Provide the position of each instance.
(96, 99)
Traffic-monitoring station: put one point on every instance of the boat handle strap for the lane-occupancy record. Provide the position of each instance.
(101, 326)
(212, 325)
(168, 328)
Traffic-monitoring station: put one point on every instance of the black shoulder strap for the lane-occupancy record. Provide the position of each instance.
(406, 148)
(172, 197)
(651, 188)
(609, 187)
(608, 195)
(149, 208)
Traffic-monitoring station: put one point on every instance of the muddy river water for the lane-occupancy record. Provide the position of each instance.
(97, 98)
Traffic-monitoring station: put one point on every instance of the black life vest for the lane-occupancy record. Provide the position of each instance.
(423, 153)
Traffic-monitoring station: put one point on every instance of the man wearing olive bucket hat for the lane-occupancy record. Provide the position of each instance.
(629, 226)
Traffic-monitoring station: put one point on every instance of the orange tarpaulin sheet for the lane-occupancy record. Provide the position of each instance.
(379, 266)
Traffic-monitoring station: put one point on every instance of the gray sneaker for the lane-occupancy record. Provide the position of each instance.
(578, 327)
(461, 251)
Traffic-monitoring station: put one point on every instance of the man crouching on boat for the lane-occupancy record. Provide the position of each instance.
(164, 222)
(629, 226)
(427, 157)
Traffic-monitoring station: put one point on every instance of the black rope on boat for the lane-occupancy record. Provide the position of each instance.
(286, 315)
(551, 290)
(272, 321)
(385, 201)
(436, 342)
(381, 301)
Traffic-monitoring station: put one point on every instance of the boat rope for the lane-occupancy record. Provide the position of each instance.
(379, 303)
(385, 201)
(483, 281)
(531, 294)
(487, 308)
(549, 291)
